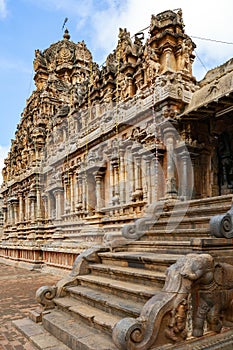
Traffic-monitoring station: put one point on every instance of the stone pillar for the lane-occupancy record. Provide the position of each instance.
(21, 214)
(9, 214)
(15, 210)
(169, 140)
(148, 179)
(9, 210)
(13, 201)
(115, 179)
(27, 207)
(58, 197)
(66, 192)
(111, 183)
(131, 174)
(169, 62)
(75, 198)
(84, 191)
(138, 175)
(187, 175)
(137, 194)
(122, 177)
(45, 204)
(49, 207)
(5, 218)
(32, 209)
(79, 193)
(98, 182)
(72, 205)
(32, 199)
(38, 203)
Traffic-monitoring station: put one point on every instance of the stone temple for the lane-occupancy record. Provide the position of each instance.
(120, 179)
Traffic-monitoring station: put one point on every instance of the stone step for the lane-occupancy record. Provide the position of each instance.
(160, 247)
(127, 290)
(88, 314)
(203, 203)
(132, 274)
(140, 259)
(179, 234)
(177, 214)
(39, 337)
(75, 334)
(105, 301)
(171, 224)
(201, 209)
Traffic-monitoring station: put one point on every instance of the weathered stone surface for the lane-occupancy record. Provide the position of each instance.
(39, 336)
(113, 174)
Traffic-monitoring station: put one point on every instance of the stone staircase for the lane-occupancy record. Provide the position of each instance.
(119, 281)
(116, 287)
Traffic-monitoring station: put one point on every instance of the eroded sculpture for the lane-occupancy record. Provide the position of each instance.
(163, 318)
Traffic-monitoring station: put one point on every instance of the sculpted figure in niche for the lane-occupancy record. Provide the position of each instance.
(180, 17)
(39, 60)
(111, 63)
(151, 64)
(80, 93)
(225, 161)
(186, 51)
(138, 44)
(95, 75)
(123, 84)
(125, 46)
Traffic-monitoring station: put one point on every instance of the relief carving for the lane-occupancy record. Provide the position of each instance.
(151, 64)
(163, 318)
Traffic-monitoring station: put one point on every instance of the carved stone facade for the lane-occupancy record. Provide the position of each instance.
(114, 173)
(96, 146)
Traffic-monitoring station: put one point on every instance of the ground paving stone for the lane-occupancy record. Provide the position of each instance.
(17, 297)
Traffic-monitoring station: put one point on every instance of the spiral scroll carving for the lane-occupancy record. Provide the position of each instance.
(129, 331)
(45, 296)
(221, 226)
(136, 230)
(226, 226)
(163, 319)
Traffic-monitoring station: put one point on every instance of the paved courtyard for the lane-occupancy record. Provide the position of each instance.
(17, 297)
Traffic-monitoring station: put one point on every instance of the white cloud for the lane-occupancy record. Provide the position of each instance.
(202, 18)
(102, 19)
(3, 154)
(3, 9)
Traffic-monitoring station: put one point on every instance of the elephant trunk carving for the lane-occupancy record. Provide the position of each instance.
(163, 318)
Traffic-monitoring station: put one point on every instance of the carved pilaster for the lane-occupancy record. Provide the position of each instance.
(38, 203)
(32, 198)
(58, 193)
(72, 194)
(99, 195)
(4, 210)
(170, 139)
(21, 214)
(185, 174)
(79, 192)
(84, 191)
(122, 174)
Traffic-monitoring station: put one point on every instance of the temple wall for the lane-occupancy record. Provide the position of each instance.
(96, 146)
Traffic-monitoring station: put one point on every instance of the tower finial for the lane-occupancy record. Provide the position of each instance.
(65, 20)
(66, 34)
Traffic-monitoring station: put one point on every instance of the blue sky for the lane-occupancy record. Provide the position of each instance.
(26, 25)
